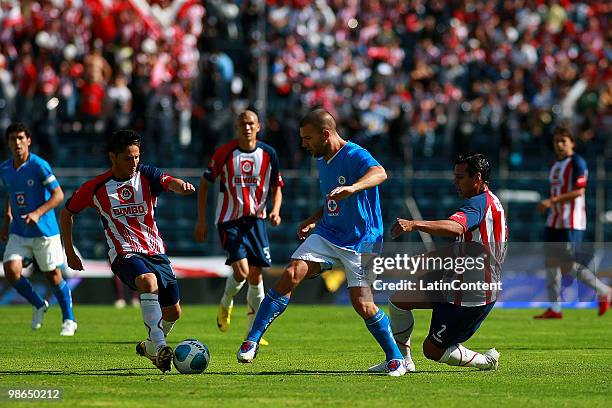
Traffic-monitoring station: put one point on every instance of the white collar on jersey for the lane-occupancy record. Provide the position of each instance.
(334, 156)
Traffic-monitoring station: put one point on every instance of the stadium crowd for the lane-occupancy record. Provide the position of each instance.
(412, 77)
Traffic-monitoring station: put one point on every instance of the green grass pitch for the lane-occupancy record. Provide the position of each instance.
(317, 357)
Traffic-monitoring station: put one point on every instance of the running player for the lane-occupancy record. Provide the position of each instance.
(566, 222)
(249, 174)
(33, 193)
(125, 197)
(481, 219)
(348, 224)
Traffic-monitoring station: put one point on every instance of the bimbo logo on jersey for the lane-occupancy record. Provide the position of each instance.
(130, 210)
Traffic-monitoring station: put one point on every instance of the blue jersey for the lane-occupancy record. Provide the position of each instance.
(355, 222)
(29, 186)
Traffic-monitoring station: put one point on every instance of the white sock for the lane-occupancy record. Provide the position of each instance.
(553, 284)
(232, 286)
(152, 317)
(460, 356)
(167, 326)
(255, 295)
(585, 275)
(402, 325)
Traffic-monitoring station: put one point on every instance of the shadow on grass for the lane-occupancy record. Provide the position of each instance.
(121, 372)
(136, 372)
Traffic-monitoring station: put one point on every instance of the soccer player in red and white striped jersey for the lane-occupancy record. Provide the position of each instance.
(481, 219)
(566, 222)
(248, 174)
(125, 197)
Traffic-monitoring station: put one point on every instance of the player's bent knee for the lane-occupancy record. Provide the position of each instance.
(172, 313)
(146, 283)
(431, 351)
(12, 271)
(293, 275)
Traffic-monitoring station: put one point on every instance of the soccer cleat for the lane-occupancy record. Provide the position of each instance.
(141, 350)
(549, 314)
(119, 304)
(247, 351)
(224, 315)
(382, 367)
(492, 357)
(69, 327)
(38, 314)
(604, 304)
(164, 357)
(396, 367)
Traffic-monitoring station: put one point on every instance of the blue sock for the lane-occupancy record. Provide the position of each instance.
(380, 328)
(270, 308)
(64, 298)
(25, 289)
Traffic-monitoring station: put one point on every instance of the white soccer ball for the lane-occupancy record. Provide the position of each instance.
(191, 357)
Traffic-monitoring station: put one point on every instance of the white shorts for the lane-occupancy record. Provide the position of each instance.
(318, 249)
(47, 251)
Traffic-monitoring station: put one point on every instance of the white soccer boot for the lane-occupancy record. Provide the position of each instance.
(247, 351)
(69, 327)
(396, 367)
(38, 314)
(492, 357)
(382, 367)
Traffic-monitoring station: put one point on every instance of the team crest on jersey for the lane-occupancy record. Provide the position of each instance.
(125, 194)
(30, 183)
(20, 198)
(342, 180)
(333, 209)
(246, 167)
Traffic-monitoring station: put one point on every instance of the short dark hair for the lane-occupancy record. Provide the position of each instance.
(17, 127)
(319, 118)
(564, 131)
(122, 139)
(477, 163)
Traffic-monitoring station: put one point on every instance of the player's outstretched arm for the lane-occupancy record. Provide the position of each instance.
(277, 199)
(200, 232)
(181, 187)
(66, 221)
(57, 196)
(374, 176)
(309, 224)
(440, 228)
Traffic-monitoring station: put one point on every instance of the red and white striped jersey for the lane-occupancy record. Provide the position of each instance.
(245, 180)
(566, 175)
(484, 221)
(126, 208)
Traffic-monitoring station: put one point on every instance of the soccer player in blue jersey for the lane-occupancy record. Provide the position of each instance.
(31, 227)
(348, 224)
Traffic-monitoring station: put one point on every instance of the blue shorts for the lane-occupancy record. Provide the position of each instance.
(566, 245)
(452, 324)
(130, 266)
(246, 238)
